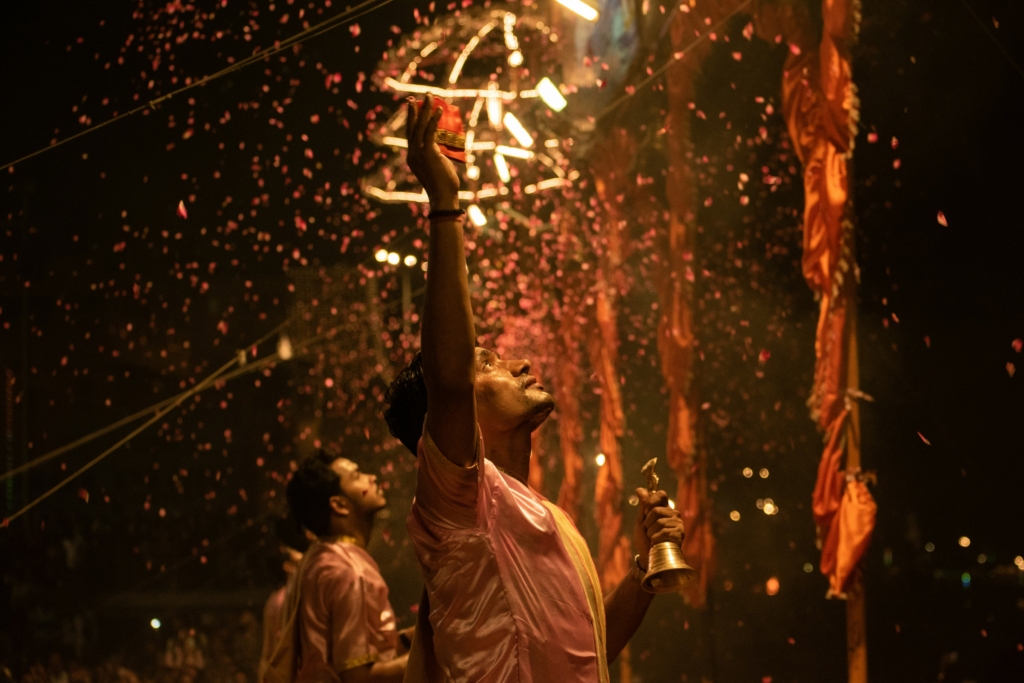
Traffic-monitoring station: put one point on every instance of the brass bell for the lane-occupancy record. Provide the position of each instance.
(667, 570)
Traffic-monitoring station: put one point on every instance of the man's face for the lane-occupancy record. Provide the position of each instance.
(359, 487)
(507, 396)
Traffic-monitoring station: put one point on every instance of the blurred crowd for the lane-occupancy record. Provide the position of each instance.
(225, 649)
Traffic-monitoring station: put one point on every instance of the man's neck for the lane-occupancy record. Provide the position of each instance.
(356, 528)
(511, 450)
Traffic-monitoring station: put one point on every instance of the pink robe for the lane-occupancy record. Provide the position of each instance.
(513, 596)
(344, 618)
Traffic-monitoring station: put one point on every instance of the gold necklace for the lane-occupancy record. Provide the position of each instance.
(343, 538)
(514, 476)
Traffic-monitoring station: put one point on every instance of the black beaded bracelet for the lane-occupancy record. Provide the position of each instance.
(445, 214)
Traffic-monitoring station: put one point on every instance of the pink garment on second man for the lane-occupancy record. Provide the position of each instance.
(506, 602)
(344, 617)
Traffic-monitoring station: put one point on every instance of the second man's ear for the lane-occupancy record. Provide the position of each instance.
(340, 505)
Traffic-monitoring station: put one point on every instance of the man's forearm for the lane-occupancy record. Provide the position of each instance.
(624, 609)
(448, 334)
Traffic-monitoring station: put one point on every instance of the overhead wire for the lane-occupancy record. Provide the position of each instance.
(334, 22)
(676, 57)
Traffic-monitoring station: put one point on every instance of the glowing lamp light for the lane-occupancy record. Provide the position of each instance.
(155, 623)
(393, 258)
(551, 96)
(747, 472)
(734, 515)
(381, 255)
(964, 542)
(581, 8)
(473, 172)
(409, 260)
(515, 59)
(1019, 561)
(476, 216)
(769, 507)
(284, 347)
(763, 473)
(929, 547)
(600, 460)
(808, 567)
(965, 580)
(771, 587)
(518, 131)
(516, 152)
(502, 167)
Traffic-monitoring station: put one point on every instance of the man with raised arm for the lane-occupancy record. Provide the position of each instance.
(513, 594)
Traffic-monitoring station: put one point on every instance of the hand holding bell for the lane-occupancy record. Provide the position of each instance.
(667, 570)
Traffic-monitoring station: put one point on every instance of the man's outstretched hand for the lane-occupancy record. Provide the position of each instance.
(435, 171)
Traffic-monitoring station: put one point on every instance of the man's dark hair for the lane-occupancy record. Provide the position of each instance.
(289, 533)
(407, 404)
(310, 491)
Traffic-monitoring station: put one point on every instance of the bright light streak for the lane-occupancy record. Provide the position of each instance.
(396, 197)
(391, 141)
(600, 460)
(450, 92)
(518, 131)
(552, 182)
(461, 61)
(428, 49)
(526, 94)
(502, 167)
(553, 142)
(381, 255)
(466, 195)
(476, 215)
(393, 258)
(284, 347)
(487, 193)
(672, 504)
(581, 8)
(549, 92)
(155, 623)
(513, 152)
(474, 115)
(493, 105)
(409, 260)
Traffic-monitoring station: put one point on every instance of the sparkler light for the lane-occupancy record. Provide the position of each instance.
(517, 129)
(476, 215)
(581, 8)
(549, 92)
(501, 166)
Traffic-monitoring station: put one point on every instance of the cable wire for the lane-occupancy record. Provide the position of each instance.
(677, 56)
(345, 17)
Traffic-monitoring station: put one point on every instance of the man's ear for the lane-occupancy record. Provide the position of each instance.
(340, 505)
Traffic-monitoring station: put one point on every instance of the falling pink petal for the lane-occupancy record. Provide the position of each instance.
(924, 439)
(182, 211)
(942, 219)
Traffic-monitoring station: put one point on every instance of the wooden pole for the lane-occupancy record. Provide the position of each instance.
(856, 626)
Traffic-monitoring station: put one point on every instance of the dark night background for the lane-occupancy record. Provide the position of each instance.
(108, 303)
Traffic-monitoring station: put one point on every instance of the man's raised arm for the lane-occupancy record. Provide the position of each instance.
(448, 337)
